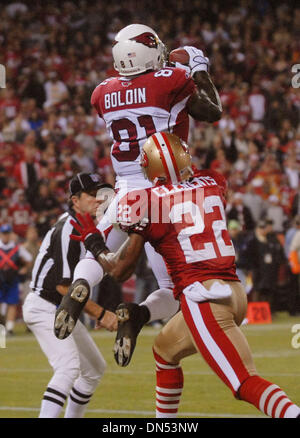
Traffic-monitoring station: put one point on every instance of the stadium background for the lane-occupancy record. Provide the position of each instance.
(55, 53)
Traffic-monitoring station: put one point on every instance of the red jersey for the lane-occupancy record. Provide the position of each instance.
(135, 108)
(187, 226)
(21, 218)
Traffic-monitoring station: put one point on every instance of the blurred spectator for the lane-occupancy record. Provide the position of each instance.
(32, 245)
(265, 255)
(4, 210)
(257, 102)
(275, 212)
(240, 241)
(15, 8)
(291, 169)
(14, 263)
(32, 242)
(295, 210)
(84, 163)
(293, 252)
(254, 202)
(55, 90)
(290, 233)
(104, 165)
(47, 208)
(239, 212)
(27, 170)
(2, 178)
(9, 103)
(20, 213)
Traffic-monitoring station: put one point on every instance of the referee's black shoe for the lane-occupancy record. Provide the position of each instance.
(131, 319)
(70, 308)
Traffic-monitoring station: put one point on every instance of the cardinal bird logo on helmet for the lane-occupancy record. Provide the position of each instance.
(138, 49)
(148, 39)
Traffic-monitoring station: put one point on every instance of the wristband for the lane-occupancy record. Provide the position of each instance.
(101, 315)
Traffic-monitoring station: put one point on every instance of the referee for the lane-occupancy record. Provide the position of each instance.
(76, 361)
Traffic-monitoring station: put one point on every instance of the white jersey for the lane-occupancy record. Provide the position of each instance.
(135, 108)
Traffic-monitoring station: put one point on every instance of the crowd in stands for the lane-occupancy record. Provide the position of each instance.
(56, 52)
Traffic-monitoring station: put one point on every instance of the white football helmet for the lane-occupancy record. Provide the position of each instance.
(137, 49)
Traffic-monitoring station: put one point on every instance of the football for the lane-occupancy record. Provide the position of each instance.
(179, 55)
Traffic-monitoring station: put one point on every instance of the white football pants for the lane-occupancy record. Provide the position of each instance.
(75, 360)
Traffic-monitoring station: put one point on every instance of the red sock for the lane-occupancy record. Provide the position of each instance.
(169, 385)
(268, 398)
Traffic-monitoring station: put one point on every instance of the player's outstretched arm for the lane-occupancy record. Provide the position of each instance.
(206, 104)
(119, 265)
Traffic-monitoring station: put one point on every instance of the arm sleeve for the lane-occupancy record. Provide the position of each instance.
(95, 100)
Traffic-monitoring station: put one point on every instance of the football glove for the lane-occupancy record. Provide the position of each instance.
(88, 234)
(197, 61)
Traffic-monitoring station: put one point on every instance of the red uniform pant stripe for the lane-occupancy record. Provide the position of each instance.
(211, 340)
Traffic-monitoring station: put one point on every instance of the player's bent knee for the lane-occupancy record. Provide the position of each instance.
(64, 379)
(93, 375)
(73, 373)
(92, 381)
(68, 368)
(161, 348)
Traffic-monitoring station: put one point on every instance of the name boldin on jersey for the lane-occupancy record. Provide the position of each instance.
(126, 97)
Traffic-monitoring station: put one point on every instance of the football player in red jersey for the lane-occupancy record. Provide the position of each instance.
(147, 97)
(183, 218)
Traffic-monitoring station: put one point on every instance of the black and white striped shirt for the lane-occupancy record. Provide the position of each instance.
(56, 260)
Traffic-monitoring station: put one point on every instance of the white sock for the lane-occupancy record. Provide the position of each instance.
(52, 403)
(292, 412)
(161, 304)
(90, 270)
(9, 325)
(77, 404)
(164, 415)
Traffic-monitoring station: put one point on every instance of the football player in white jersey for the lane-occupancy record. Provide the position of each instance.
(147, 97)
